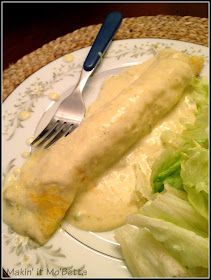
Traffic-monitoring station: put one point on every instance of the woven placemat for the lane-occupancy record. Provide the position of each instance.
(190, 29)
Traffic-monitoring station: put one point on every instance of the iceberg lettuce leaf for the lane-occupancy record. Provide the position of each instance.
(194, 173)
(145, 256)
(171, 208)
(186, 246)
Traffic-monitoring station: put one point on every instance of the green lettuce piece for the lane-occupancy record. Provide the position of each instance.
(199, 201)
(186, 246)
(199, 87)
(171, 208)
(142, 186)
(145, 256)
(197, 132)
(178, 193)
(166, 169)
(194, 173)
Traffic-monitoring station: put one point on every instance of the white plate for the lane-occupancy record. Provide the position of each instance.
(70, 252)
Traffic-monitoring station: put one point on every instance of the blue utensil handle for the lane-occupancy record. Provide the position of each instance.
(104, 37)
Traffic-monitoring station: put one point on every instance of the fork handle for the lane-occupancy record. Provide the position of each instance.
(104, 37)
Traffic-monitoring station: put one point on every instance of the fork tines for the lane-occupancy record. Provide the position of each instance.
(53, 131)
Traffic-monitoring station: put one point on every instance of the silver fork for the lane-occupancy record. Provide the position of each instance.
(71, 111)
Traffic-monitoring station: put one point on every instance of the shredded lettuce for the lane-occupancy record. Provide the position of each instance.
(178, 193)
(169, 235)
(145, 256)
(196, 133)
(200, 91)
(185, 245)
(172, 208)
(194, 173)
(184, 162)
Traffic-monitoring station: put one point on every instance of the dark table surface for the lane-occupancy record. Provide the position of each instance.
(27, 27)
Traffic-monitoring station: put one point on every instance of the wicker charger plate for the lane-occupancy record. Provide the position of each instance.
(189, 29)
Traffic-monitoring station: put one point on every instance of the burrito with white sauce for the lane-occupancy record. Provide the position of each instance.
(36, 201)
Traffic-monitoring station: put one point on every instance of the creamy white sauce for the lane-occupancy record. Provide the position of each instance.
(106, 204)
